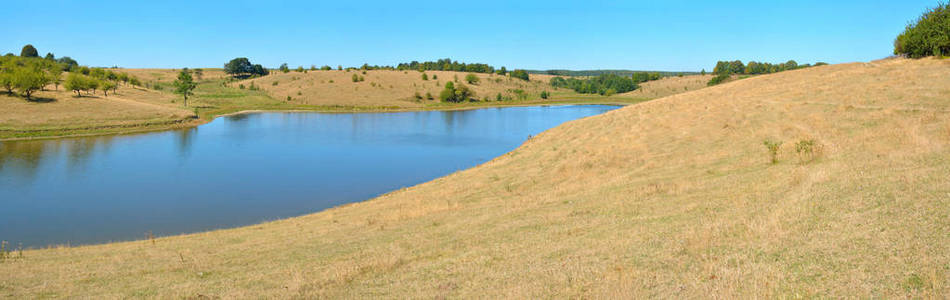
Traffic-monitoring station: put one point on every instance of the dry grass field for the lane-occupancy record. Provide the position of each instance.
(671, 198)
(389, 88)
(669, 86)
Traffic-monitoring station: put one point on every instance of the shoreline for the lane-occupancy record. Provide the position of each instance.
(198, 121)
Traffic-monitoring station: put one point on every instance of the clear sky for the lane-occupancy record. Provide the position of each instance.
(641, 35)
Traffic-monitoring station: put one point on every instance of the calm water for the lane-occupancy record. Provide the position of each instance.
(243, 169)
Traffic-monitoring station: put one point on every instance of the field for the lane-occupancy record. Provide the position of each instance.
(671, 198)
(57, 112)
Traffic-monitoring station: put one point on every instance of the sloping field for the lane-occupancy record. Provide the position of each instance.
(389, 88)
(675, 197)
(669, 86)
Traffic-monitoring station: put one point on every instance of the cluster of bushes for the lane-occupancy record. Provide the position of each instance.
(929, 36)
(242, 67)
(85, 79)
(453, 93)
(725, 69)
(605, 84)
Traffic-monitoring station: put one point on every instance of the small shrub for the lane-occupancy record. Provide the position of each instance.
(718, 79)
(773, 147)
(417, 96)
(429, 96)
(471, 78)
(356, 78)
(274, 84)
(288, 98)
(808, 150)
(241, 86)
(425, 77)
(299, 93)
(498, 97)
(435, 77)
(544, 94)
(331, 81)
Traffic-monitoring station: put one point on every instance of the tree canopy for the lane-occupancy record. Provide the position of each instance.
(29, 51)
(185, 84)
(929, 36)
(242, 66)
(605, 84)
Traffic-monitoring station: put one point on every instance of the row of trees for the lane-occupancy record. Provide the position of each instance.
(446, 64)
(929, 36)
(27, 75)
(606, 84)
(725, 69)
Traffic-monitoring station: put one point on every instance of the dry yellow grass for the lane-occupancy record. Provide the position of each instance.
(668, 198)
(61, 111)
(669, 86)
(386, 88)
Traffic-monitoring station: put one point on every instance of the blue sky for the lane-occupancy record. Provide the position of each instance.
(641, 35)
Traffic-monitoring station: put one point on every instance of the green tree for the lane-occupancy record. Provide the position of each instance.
(28, 80)
(502, 71)
(520, 74)
(241, 66)
(50, 56)
(283, 68)
(425, 77)
(78, 83)
(471, 78)
(185, 84)
(106, 85)
(928, 36)
(29, 51)
(448, 93)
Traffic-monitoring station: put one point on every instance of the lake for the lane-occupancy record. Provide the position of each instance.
(243, 169)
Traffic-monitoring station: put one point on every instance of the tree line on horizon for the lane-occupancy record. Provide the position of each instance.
(725, 69)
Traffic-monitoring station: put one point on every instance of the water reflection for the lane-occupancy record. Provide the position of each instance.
(243, 169)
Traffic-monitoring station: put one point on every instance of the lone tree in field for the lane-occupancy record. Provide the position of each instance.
(29, 51)
(184, 85)
(242, 66)
(930, 36)
(471, 78)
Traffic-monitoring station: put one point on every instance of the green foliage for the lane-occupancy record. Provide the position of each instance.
(456, 93)
(242, 67)
(300, 69)
(808, 150)
(425, 77)
(502, 71)
(29, 51)
(435, 77)
(520, 74)
(929, 36)
(79, 83)
(446, 64)
(283, 68)
(718, 79)
(545, 94)
(598, 85)
(773, 147)
(185, 84)
(326, 68)
(703, 72)
(471, 78)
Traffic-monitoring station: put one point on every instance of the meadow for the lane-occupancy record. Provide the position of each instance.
(674, 197)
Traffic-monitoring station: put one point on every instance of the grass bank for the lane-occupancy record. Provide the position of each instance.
(675, 197)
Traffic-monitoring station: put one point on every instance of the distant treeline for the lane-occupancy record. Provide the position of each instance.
(603, 72)
(724, 69)
(605, 84)
(446, 64)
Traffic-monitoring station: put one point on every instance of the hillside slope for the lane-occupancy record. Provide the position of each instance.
(669, 198)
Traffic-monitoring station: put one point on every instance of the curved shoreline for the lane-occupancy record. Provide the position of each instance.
(197, 121)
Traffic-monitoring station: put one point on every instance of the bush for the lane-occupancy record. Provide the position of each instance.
(544, 94)
(520, 74)
(773, 147)
(929, 36)
(425, 77)
(718, 79)
(355, 78)
(808, 150)
(471, 78)
(284, 68)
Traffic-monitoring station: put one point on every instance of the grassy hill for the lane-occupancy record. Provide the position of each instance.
(675, 197)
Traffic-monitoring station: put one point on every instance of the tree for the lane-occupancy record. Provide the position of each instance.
(27, 80)
(50, 56)
(283, 68)
(448, 93)
(29, 51)
(78, 83)
(502, 71)
(425, 77)
(241, 66)
(184, 85)
(68, 63)
(928, 36)
(703, 72)
(106, 85)
(471, 78)
(55, 76)
(520, 74)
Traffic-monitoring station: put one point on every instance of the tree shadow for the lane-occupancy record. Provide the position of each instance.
(41, 100)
